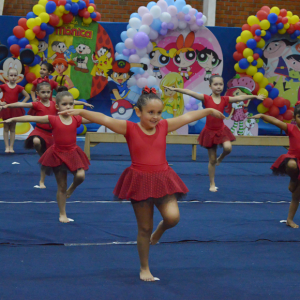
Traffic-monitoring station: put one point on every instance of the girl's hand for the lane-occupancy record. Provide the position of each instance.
(258, 116)
(2, 103)
(89, 105)
(261, 97)
(169, 88)
(217, 114)
(7, 121)
(70, 112)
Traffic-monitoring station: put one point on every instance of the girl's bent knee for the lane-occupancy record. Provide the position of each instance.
(292, 164)
(172, 222)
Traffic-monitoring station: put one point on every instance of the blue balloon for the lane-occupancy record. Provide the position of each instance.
(37, 60)
(258, 51)
(120, 47)
(74, 9)
(50, 7)
(124, 36)
(80, 129)
(282, 109)
(81, 4)
(280, 26)
(31, 15)
(243, 63)
(44, 26)
(23, 42)
(50, 29)
(185, 9)
(128, 26)
(293, 36)
(267, 36)
(179, 4)
(135, 15)
(254, 63)
(261, 70)
(23, 82)
(251, 43)
(297, 33)
(68, 6)
(122, 57)
(156, 24)
(92, 1)
(274, 93)
(12, 40)
(273, 29)
(272, 18)
(70, 1)
(268, 88)
(93, 15)
(258, 32)
(151, 4)
(170, 2)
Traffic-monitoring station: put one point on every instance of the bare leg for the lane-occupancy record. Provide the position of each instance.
(144, 215)
(212, 155)
(37, 145)
(293, 208)
(78, 179)
(292, 171)
(61, 196)
(5, 137)
(170, 213)
(12, 136)
(227, 147)
(42, 178)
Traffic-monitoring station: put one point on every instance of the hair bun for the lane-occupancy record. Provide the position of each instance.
(147, 90)
(297, 103)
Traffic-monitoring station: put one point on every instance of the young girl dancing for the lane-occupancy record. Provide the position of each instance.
(289, 163)
(215, 131)
(149, 181)
(11, 92)
(64, 154)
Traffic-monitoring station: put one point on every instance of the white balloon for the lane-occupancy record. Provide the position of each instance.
(141, 52)
(155, 11)
(151, 73)
(134, 58)
(142, 82)
(194, 27)
(175, 21)
(149, 47)
(131, 82)
(144, 28)
(131, 32)
(153, 35)
(204, 19)
(145, 61)
(151, 80)
(165, 17)
(182, 25)
(135, 23)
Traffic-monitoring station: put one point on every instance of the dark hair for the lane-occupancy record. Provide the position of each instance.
(48, 66)
(62, 89)
(145, 98)
(294, 56)
(207, 52)
(297, 110)
(110, 72)
(40, 85)
(61, 95)
(211, 79)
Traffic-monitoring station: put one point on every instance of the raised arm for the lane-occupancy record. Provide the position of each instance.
(83, 103)
(271, 120)
(26, 95)
(32, 93)
(175, 123)
(118, 126)
(186, 92)
(246, 97)
(18, 104)
(43, 119)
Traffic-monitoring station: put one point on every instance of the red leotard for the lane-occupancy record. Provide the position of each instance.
(64, 150)
(149, 175)
(215, 131)
(293, 133)
(46, 79)
(11, 96)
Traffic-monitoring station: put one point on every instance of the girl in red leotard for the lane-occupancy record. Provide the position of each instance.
(215, 132)
(64, 155)
(149, 181)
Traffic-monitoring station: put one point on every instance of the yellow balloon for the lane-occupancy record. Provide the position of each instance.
(84, 130)
(38, 9)
(43, 2)
(61, 8)
(282, 31)
(263, 33)
(264, 82)
(286, 26)
(75, 93)
(29, 34)
(289, 20)
(275, 10)
(38, 21)
(35, 70)
(250, 59)
(75, 1)
(35, 49)
(34, 42)
(289, 14)
(44, 17)
(30, 23)
(247, 52)
(265, 24)
(66, 11)
(258, 77)
(260, 63)
(238, 69)
(252, 20)
(263, 92)
(261, 109)
(22, 128)
(294, 19)
(239, 40)
(91, 9)
(87, 20)
(261, 43)
(246, 35)
(58, 12)
(1, 125)
(251, 70)
(28, 87)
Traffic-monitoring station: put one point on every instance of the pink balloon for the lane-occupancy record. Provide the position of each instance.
(174, 20)
(180, 16)
(193, 20)
(134, 58)
(192, 11)
(129, 43)
(163, 5)
(143, 10)
(172, 10)
(153, 35)
(149, 47)
(145, 75)
(142, 82)
(138, 76)
(147, 19)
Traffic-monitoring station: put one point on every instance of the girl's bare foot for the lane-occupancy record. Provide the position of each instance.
(213, 188)
(42, 185)
(70, 191)
(293, 185)
(292, 224)
(156, 235)
(146, 275)
(7, 150)
(218, 161)
(64, 219)
(11, 150)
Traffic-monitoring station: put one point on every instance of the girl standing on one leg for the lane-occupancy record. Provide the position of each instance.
(215, 131)
(11, 92)
(289, 163)
(64, 155)
(149, 181)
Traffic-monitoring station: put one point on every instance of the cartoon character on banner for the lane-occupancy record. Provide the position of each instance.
(60, 66)
(173, 101)
(61, 51)
(208, 60)
(42, 47)
(293, 61)
(103, 62)
(250, 123)
(237, 113)
(185, 55)
(159, 57)
(117, 81)
(81, 57)
(120, 110)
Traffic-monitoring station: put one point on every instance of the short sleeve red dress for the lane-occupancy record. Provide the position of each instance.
(279, 166)
(149, 175)
(42, 131)
(215, 131)
(11, 95)
(64, 151)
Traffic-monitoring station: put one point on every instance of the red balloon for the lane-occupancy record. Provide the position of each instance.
(288, 115)
(62, 2)
(267, 113)
(262, 15)
(81, 12)
(246, 27)
(271, 84)
(254, 28)
(240, 47)
(257, 38)
(56, 1)
(36, 29)
(274, 111)
(67, 18)
(22, 22)
(268, 102)
(291, 29)
(93, 4)
(256, 56)
(284, 20)
(255, 91)
(15, 50)
(41, 34)
(54, 20)
(30, 77)
(26, 69)
(280, 117)
(283, 12)
(292, 109)
(297, 26)
(28, 47)
(279, 102)
(237, 56)
(86, 14)
(98, 17)
(266, 9)
(19, 32)
(279, 19)
(287, 103)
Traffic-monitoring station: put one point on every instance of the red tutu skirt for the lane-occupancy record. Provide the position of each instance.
(141, 185)
(208, 138)
(279, 166)
(73, 158)
(45, 137)
(12, 113)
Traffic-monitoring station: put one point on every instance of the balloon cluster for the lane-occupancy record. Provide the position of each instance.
(192, 104)
(258, 30)
(145, 26)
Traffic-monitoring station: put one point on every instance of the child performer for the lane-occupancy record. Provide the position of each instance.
(11, 93)
(149, 181)
(215, 132)
(289, 163)
(64, 154)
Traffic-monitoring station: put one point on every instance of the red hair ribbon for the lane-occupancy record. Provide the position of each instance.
(215, 74)
(297, 103)
(147, 90)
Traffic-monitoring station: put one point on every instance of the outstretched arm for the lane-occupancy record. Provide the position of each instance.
(85, 121)
(26, 95)
(18, 104)
(186, 92)
(43, 119)
(175, 123)
(246, 97)
(83, 103)
(271, 120)
(118, 126)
